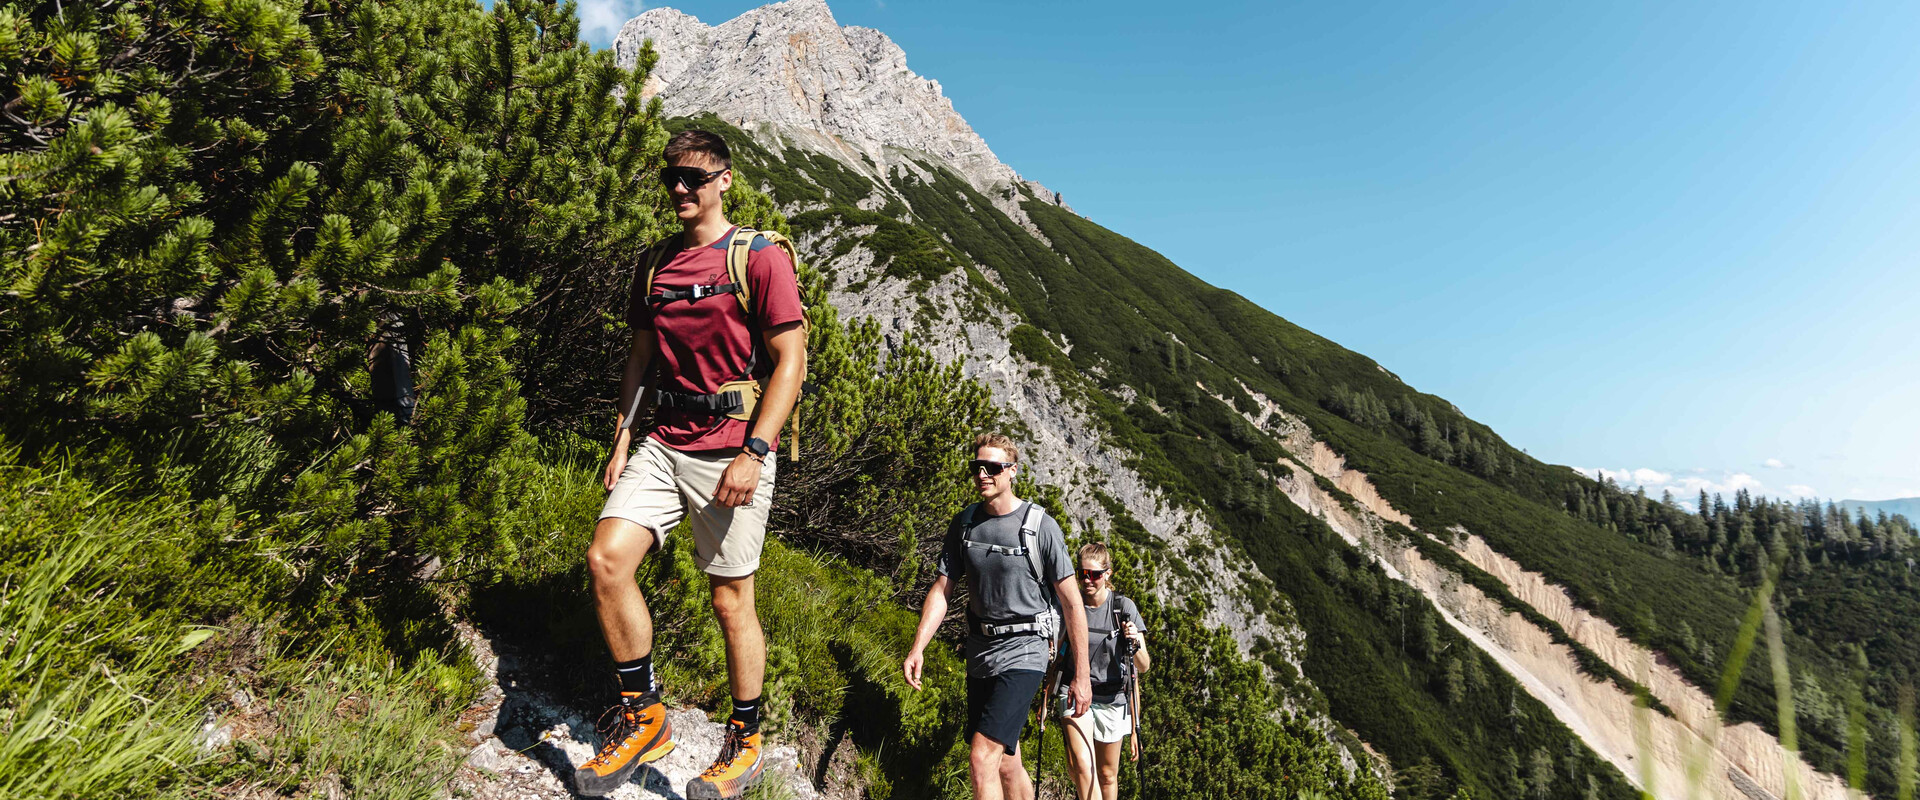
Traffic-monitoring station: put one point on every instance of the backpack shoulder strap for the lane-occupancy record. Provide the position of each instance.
(967, 516)
(1115, 605)
(1030, 538)
(653, 258)
(740, 248)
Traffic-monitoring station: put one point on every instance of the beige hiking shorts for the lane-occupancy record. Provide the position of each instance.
(661, 486)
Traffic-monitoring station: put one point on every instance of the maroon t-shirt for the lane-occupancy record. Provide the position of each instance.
(707, 342)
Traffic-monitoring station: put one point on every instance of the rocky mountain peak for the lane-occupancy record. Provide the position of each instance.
(841, 90)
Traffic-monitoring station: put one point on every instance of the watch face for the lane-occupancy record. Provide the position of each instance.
(758, 446)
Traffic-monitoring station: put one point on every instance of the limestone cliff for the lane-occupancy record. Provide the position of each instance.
(844, 91)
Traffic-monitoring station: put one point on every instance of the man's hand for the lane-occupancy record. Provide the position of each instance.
(617, 463)
(911, 668)
(738, 482)
(1081, 694)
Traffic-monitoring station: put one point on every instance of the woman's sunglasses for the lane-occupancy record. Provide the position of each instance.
(693, 177)
(1093, 574)
(992, 468)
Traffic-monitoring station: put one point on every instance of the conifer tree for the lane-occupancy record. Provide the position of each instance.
(217, 211)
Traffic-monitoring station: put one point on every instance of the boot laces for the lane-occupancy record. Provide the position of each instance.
(736, 741)
(615, 725)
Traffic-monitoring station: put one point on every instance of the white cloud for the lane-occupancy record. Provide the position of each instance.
(1647, 476)
(1687, 487)
(1639, 476)
(600, 20)
(1774, 463)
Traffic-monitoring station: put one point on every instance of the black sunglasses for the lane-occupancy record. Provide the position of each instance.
(992, 468)
(1094, 574)
(693, 177)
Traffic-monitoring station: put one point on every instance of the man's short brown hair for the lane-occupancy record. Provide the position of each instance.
(999, 440)
(698, 142)
(1097, 552)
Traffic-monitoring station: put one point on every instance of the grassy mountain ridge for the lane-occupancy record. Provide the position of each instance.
(1466, 477)
(1150, 348)
(1494, 490)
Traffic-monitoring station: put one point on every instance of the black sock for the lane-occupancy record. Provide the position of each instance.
(747, 713)
(636, 675)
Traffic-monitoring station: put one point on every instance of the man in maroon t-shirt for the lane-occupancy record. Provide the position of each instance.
(691, 335)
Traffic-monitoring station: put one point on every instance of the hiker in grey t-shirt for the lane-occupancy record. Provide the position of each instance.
(1116, 655)
(998, 545)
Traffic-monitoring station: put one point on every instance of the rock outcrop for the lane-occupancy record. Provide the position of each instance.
(842, 91)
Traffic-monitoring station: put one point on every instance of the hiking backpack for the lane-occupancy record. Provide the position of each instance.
(1046, 624)
(736, 399)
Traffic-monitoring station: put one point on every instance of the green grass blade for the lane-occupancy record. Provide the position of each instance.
(1643, 730)
(1909, 760)
(1783, 699)
(1700, 754)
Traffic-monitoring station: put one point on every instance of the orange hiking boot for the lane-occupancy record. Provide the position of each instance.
(632, 733)
(736, 769)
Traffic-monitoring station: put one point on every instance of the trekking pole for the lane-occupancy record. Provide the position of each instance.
(1134, 709)
(1040, 768)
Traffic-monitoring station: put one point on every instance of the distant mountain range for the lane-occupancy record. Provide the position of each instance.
(1908, 507)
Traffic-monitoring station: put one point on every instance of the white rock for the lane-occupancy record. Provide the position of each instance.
(214, 737)
(489, 756)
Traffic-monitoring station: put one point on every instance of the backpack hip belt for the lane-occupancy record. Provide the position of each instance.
(736, 400)
(1039, 624)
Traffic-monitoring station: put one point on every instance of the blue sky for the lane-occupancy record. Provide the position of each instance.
(1673, 241)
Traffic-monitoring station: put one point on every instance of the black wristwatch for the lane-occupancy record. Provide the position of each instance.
(758, 446)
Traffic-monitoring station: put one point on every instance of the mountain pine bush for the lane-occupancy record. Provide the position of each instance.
(217, 213)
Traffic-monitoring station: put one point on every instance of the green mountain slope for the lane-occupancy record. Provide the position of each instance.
(1114, 296)
(1375, 652)
(1171, 365)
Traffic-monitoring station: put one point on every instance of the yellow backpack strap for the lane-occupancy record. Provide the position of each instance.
(793, 255)
(782, 242)
(655, 257)
(739, 249)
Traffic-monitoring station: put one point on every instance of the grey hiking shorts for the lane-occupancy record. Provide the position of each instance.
(661, 486)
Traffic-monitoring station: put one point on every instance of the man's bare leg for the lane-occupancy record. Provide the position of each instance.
(984, 767)
(733, 605)
(618, 545)
(1015, 783)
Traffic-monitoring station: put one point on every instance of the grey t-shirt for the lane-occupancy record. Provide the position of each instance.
(1000, 586)
(1103, 647)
